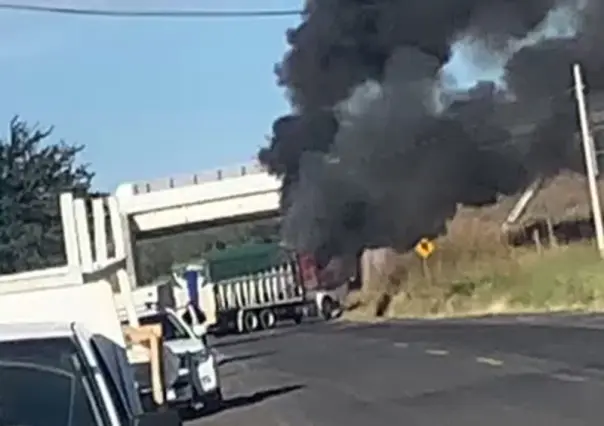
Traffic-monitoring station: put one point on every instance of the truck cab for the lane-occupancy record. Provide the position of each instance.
(55, 374)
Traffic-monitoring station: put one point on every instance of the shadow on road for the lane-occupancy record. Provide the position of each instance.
(245, 357)
(282, 331)
(243, 340)
(245, 401)
(256, 397)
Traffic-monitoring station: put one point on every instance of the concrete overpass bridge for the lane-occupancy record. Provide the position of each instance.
(193, 201)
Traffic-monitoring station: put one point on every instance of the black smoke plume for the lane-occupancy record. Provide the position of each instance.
(382, 146)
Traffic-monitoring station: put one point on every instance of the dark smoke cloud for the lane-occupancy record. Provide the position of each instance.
(382, 148)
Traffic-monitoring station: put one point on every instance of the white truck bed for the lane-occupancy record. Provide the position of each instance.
(88, 304)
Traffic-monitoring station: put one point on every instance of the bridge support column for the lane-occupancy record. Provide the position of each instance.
(120, 230)
(129, 247)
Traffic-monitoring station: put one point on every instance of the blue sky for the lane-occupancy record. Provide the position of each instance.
(148, 97)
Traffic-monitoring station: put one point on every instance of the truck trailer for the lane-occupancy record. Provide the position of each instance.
(245, 288)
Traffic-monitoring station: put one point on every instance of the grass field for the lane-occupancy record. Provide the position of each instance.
(568, 278)
(475, 271)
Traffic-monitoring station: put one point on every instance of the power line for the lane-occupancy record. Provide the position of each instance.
(109, 13)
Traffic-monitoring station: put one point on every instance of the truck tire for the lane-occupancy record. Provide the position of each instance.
(267, 319)
(250, 321)
(327, 308)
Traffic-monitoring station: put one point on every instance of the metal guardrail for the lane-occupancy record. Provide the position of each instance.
(191, 179)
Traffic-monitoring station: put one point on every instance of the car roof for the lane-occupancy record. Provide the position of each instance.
(44, 330)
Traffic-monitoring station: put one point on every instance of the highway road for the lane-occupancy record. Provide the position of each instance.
(495, 371)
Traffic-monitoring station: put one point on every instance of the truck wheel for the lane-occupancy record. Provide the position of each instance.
(267, 319)
(250, 321)
(327, 308)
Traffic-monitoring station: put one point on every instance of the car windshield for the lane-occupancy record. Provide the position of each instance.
(171, 328)
(40, 385)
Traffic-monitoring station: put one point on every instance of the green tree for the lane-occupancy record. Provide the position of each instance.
(33, 173)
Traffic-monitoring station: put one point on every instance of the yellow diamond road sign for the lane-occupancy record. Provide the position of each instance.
(424, 248)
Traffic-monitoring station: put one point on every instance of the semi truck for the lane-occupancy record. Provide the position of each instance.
(249, 287)
(69, 364)
(255, 286)
(244, 288)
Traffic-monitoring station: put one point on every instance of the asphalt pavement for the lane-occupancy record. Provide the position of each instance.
(500, 371)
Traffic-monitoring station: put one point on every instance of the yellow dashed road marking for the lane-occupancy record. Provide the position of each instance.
(489, 361)
(437, 352)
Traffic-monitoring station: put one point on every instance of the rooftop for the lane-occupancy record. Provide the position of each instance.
(44, 330)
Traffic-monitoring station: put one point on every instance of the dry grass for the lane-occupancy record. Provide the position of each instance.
(475, 271)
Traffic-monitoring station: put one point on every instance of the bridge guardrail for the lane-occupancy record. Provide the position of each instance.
(191, 179)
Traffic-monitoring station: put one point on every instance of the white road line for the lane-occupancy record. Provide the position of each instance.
(489, 361)
(437, 352)
(568, 377)
(401, 345)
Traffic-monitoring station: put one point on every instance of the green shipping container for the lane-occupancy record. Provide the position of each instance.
(247, 259)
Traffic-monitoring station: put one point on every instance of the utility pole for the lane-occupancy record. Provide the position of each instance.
(590, 158)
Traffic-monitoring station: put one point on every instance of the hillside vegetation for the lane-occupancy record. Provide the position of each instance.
(546, 262)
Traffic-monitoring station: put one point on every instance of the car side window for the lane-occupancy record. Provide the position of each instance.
(41, 382)
(116, 396)
(176, 328)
